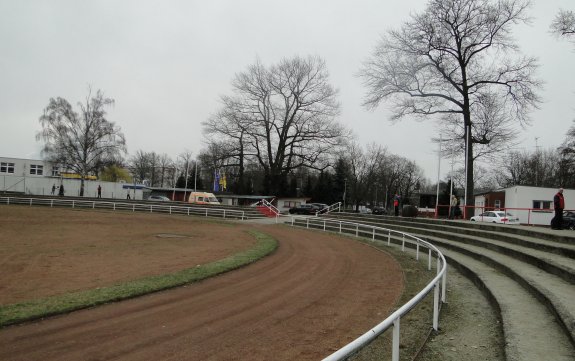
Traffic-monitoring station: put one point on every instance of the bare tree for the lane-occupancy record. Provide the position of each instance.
(364, 167)
(539, 168)
(140, 165)
(444, 60)
(281, 116)
(564, 24)
(83, 141)
(493, 130)
(166, 169)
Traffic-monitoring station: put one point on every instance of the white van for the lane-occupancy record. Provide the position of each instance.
(202, 198)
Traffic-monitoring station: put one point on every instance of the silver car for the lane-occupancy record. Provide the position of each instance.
(496, 217)
(159, 198)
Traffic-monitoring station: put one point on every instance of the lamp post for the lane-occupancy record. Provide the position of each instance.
(344, 192)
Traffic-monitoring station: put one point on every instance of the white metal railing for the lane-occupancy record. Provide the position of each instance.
(438, 284)
(126, 206)
(328, 209)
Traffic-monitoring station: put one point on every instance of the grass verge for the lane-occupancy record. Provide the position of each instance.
(49, 306)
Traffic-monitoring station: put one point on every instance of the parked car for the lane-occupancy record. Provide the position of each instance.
(309, 208)
(569, 220)
(321, 207)
(158, 198)
(379, 210)
(496, 217)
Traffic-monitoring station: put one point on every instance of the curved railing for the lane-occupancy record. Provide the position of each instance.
(126, 206)
(438, 283)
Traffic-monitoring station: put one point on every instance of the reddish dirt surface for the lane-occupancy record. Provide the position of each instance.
(44, 252)
(316, 293)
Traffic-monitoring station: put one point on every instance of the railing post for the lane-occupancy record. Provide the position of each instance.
(429, 261)
(436, 306)
(30, 201)
(188, 210)
(373, 234)
(324, 225)
(51, 203)
(395, 344)
(224, 214)
(170, 209)
(206, 212)
(73, 204)
(403, 243)
(292, 220)
(93, 205)
(388, 237)
(339, 226)
(444, 285)
(151, 208)
(307, 223)
(357, 230)
(417, 251)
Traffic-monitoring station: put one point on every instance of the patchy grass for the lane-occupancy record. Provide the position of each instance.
(39, 308)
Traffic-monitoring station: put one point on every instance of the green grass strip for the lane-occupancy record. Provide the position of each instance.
(49, 306)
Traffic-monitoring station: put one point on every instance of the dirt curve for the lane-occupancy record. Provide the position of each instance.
(313, 295)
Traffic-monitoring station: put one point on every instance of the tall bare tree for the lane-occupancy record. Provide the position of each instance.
(564, 24)
(445, 59)
(84, 141)
(283, 117)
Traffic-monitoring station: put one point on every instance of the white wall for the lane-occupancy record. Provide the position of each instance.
(43, 186)
(523, 197)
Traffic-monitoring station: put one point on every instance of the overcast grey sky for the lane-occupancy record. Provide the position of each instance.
(167, 62)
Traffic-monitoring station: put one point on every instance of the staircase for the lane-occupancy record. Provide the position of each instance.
(528, 273)
(266, 211)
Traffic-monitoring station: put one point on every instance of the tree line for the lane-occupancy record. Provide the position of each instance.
(277, 130)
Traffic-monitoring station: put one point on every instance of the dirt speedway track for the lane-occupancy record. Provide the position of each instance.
(313, 295)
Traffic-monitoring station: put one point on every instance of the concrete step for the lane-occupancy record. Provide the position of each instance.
(549, 258)
(552, 291)
(531, 332)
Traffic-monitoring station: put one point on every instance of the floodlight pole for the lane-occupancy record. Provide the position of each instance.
(438, 175)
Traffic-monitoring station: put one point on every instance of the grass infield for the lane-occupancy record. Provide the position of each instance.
(49, 306)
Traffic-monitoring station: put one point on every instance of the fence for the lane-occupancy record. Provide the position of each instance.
(126, 206)
(438, 284)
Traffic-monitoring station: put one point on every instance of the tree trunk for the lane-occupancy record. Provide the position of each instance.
(82, 186)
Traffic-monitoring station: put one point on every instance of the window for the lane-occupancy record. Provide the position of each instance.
(55, 172)
(6, 167)
(541, 204)
(36, 169)
(291, 204)
(497, 203)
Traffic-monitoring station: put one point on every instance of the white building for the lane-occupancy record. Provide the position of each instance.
(533, 205)
(37, 177)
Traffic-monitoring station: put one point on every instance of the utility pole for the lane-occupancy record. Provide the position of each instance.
(536, 162)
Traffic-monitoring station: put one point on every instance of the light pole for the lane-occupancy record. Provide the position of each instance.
(344, 192)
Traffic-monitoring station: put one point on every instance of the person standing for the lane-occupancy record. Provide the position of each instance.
(99, 191)
(396, 204)
(61, 191)
(452, 206)
(53, 189)
(559, 206)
